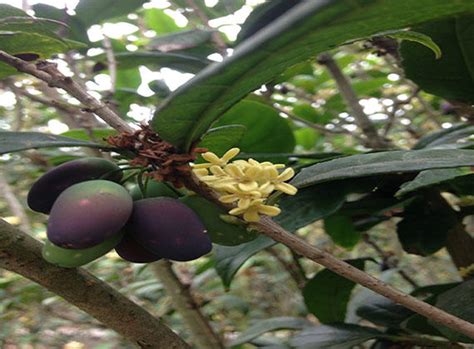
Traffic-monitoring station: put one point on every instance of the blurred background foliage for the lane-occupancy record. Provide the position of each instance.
(158, 46)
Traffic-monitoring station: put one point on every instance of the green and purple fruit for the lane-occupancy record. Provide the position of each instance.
(48, 187)
(88, 213)
(67, 258)
(130, 250)
(221, 232)
(153, 189)
(168, 228)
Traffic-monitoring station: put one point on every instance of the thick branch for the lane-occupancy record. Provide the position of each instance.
(373, 139)
(202, 333)
(21, 254)
(48, 72)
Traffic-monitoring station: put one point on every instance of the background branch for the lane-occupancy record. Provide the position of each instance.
(202, 334)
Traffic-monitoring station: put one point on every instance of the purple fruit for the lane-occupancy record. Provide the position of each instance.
(88, 213)
(48, 187)
(168, 228)
(130, 250)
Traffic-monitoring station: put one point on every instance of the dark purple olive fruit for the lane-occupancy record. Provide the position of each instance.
(88, 213)
(47, 188)
(168, 228)
(130, 250)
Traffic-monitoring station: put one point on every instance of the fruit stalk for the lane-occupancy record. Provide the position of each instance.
(21, 254)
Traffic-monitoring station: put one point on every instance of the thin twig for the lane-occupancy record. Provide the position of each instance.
(290, 268)
(203, 336)
(216, 36)
(111, 63)
(373, 139)
(49, 73)
(14, 204)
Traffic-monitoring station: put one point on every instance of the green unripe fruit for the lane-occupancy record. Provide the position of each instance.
(221, 232)
(48, 187)
(153, 189)
(67, 258)
(88, 213)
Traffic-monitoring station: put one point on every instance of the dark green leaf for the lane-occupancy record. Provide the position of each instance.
(430, 177)
(266, 130)
(362, 165)
(267, 325)
(306, 30)
(458, 302)
(93, 11)
(425, 226)
(382, 311)
(342, 336)
(420, 38)
(230, 259)
(220, 139)
(341, 230)
(96, 135)
(327, 294)
(182, 40)
(310, 205)
(446, 137)
(452, 76)
(17, 141)
(180, 62)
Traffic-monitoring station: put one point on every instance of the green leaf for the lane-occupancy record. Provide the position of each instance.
(447, 137)
(458, 302)
(17, 141)
(229, 259)
(430, 177)
(307, 112)
(342, 336)
(159, 21)
(267, 325)
(327, 294)
(452, 76)
(96, 135)
(401, 161)
(93, 11)
(30, 37)
(341, 230)
(382, 311)
(425, 226)
(180, 62)
(309, 28)
(310, 205)
(220, 139)
(266, 130)
(306, 137)
(420, 38)
(182, 40)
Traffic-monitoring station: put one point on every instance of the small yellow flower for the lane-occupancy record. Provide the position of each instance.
(248, 183)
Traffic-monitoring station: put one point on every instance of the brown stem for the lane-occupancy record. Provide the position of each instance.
(21, 254)
(48, 72)
(216, 36)
(295, 274)
(202, 334)
(269, 228)
(373, 139)
(13, 203)
(111, 63)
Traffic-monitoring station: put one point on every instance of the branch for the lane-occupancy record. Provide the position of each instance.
(373, 139)
(21, 254)
(202, 333)
(49, 73)
(271, 229)
(111, 63)
(216, 36)
(13, 203)
(296, 274)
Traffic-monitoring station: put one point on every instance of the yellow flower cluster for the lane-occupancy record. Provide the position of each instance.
(248, 183)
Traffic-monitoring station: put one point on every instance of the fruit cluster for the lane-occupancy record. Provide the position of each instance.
(91, 212)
